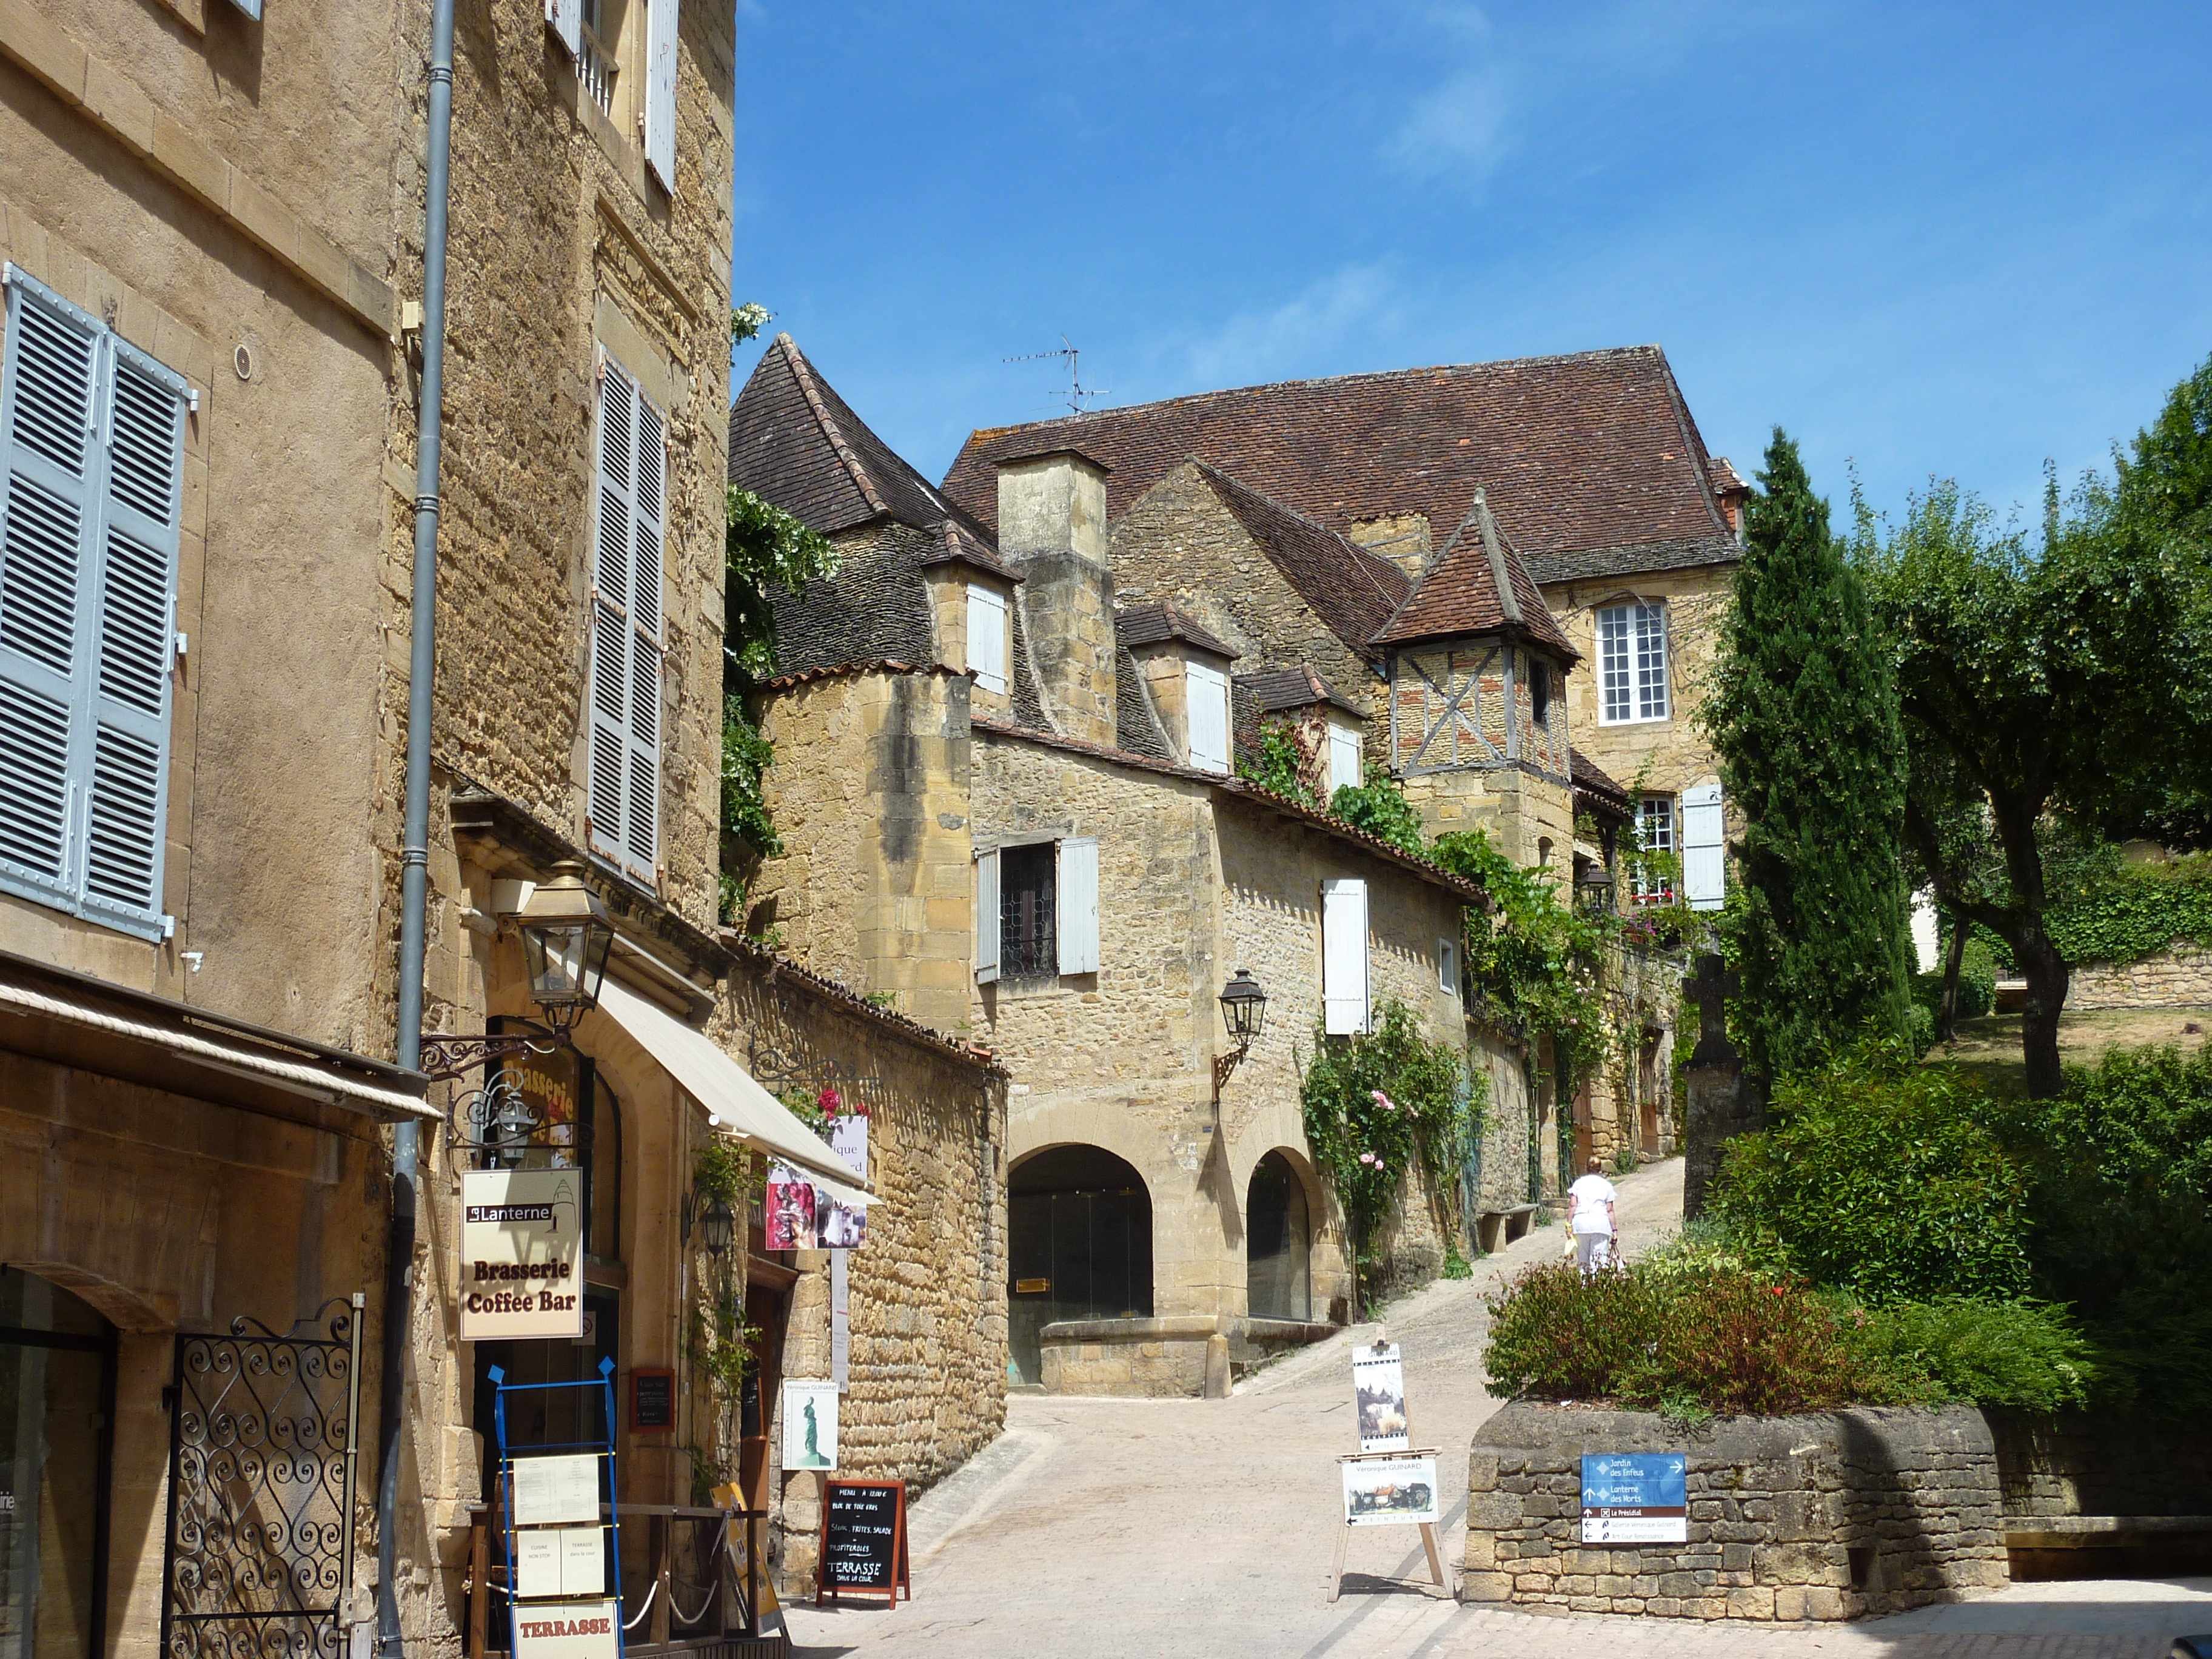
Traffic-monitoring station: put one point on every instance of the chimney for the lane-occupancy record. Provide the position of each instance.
(1052, 528)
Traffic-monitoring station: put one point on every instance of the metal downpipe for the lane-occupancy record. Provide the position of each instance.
(414, 855)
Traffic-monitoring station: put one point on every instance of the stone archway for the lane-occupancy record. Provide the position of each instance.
(1079, 1245)
(1278, 1242)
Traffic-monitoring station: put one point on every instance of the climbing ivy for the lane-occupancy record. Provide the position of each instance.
(1284, 763)
(2136, 911)
(1379, 806)
(1381, 1103)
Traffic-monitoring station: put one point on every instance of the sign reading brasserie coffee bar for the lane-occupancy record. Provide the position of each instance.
(522, 1243)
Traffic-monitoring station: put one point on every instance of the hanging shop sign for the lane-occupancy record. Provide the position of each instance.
(842, 1226)
(522, 1242)
(864, 1539)
(1636, 1498)
(788, 1210)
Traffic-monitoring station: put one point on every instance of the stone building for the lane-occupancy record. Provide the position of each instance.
(1586, 472)
(212, 224)
(1010, 806)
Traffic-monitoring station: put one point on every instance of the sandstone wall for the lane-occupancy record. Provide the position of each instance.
(1827, 1516)
(1178, 542)
(928, 1359)
(2180, 977)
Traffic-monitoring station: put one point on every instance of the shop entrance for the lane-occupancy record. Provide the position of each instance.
(1079, 1246)
(1278, 1243)
(57, 1406)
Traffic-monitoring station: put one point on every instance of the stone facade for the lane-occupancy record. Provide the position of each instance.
(1830, 1517)
(926, 1365)
(2180, 977)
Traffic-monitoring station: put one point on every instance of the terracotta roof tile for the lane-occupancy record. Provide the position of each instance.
(1352, 590)
(1588, 452)
(1274, 689)
(1478, 585)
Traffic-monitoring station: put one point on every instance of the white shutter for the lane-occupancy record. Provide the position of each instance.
(567, 17)
(1207, 690)
(1344, 957)
(125, 818)
(1079, 907)
(987, 917)
(92, 440)
(1344, 759)
(1448, 966)
(625, 680)
(987, 638)
(660, 91)
(1705, 859)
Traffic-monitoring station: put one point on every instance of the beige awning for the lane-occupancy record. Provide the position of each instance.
(170, 1046)
(729, 1093)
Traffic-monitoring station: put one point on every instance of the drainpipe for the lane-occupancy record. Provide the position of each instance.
(415, 855)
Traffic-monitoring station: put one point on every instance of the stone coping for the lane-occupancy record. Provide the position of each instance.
(1184, 1327)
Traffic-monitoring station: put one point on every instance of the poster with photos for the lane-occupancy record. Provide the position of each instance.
(810, 1424)
(1378, 1388)
(844, 1226)
(788, 1210)
(1383, 1491)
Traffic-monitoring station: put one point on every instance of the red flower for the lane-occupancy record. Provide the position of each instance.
(1778, 1290)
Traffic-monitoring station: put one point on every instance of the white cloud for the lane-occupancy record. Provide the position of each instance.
(1258, 345)
(1459, 129)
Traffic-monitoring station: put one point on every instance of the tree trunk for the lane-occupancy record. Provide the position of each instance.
(1954, 958)
(2047, 977)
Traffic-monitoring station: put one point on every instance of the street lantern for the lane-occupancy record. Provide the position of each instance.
(566, 934)
(1594, 886)
(508, 1135)
(712, 1218)
(1243, 1009)
(1244, 1012)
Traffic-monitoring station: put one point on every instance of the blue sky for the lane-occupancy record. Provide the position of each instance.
(1922, 238)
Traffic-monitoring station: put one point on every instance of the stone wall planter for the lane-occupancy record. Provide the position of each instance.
(1830, 1516)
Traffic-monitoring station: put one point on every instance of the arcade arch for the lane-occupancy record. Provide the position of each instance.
(1079, 1245)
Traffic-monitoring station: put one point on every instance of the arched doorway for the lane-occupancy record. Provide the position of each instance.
(1079, 1245)
(56, 1403)
(1278, 1243)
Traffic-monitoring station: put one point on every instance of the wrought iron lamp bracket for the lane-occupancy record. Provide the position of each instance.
(1224, 1066)
(448, 1058)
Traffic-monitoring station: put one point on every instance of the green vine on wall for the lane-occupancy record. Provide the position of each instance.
(2136, 910)
(1380, 1104)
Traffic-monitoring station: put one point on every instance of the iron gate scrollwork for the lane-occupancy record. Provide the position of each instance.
(262, 1456)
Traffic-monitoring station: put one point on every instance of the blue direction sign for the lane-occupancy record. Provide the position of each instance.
(1635, 1498)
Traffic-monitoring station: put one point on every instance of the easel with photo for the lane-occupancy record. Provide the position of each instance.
(1388, 1481)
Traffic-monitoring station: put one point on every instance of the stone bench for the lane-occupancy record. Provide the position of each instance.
(1494, 1227)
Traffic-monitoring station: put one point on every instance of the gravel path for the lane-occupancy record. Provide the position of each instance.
(1195, 1529)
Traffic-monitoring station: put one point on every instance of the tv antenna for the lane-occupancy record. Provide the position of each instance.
(1077, 391)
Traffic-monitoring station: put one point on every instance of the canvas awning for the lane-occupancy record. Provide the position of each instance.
(729, 1093)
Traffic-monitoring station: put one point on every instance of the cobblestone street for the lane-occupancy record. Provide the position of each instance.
(1108, 1528)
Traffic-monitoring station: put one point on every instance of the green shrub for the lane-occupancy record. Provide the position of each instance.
(1978, 984)
(1693, 1334)
(2136, 910)
(2020, 1353)
(1378, 805)
(1884, 1179)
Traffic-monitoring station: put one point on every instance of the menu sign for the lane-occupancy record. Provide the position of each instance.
(568, 1630)
(521, 1253)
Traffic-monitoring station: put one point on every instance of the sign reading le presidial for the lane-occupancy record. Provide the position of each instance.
(522, 1242)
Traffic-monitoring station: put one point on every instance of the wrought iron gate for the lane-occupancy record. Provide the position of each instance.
(262, 1456)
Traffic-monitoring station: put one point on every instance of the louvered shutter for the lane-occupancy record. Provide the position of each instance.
(567, 17)
(49, 516)
(126, 822)
(660, 91)
(987, 917)
(1704, 853)
(1079, 907)
(987, 638)
(1207, 689)
(625, 677)
(1344, 957)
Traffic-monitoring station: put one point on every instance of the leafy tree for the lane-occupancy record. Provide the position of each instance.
(2074, 680)
(1804, 717)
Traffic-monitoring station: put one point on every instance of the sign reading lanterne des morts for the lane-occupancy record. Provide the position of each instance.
(522, 1242)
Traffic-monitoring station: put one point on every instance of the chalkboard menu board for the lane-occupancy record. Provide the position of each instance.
(652, 1398)
(864, 1539)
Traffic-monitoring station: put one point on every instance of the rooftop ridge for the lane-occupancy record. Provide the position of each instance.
(803, 371)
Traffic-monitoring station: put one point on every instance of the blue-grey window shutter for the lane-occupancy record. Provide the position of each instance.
(126, 817)
(610, 631)
(48, 513)
(642, 830)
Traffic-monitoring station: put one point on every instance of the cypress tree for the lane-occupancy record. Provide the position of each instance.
(1805, 717)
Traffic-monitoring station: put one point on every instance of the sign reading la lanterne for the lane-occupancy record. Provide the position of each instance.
(522, 1241)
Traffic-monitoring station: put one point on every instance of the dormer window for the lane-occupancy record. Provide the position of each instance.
(1209, 717)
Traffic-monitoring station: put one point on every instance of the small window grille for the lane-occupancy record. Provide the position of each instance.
(1029, 931)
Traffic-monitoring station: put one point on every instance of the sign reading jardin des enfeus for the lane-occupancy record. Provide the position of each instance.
(521, 1253)
(1636, 1498)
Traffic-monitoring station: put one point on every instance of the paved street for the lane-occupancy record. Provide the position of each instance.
(1188, 1528)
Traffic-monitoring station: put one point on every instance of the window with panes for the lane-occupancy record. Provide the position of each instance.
(1631, 650)
(1655, 827)
(92, 435)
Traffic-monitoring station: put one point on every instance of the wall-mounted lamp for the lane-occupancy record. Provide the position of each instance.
(566, 935)
(713, 1218)
(1594, 888)
(1243, 1014)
